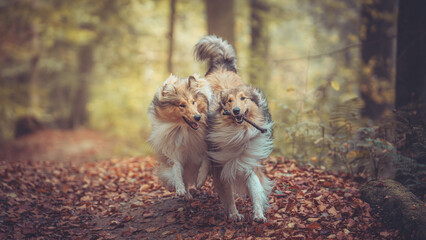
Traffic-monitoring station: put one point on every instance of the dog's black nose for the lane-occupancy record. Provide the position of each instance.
(236, 110)
(197, 117)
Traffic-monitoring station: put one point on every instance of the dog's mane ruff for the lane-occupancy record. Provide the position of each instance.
(238, 150)
(177, 142)
(219, 54)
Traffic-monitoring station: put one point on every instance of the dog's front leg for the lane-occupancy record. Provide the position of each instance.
(178, 180)
(203, 172)
(229, 202)
(258, 197)
(188, 195)
(226, 195)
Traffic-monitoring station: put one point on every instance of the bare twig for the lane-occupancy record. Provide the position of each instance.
(262, 130)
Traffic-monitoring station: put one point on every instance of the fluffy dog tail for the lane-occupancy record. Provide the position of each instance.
(219, 54)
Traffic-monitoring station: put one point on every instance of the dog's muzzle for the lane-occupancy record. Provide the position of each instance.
(240, 117)
(193, 124)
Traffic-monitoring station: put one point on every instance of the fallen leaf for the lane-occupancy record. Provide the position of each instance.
(332, 211)
(314, 225)
(170, 219)
(152, 229)
(127, 218)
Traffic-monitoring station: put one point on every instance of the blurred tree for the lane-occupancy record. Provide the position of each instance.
(48, 52)
(411, 55)
(33, 81)
(79, 115)
(20, 53)
(171, 35)
(259, 69)
(377, 38)
(221, 19)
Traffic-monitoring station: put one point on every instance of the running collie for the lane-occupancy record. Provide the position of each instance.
(239, 130)
(178, 116)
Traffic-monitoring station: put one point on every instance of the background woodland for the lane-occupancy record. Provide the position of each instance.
(345, 80)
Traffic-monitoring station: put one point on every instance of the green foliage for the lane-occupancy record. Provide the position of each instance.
(370, 155)
(410, 138)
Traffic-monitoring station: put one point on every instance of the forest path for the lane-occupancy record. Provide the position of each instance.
(80, 145)
(52, 186)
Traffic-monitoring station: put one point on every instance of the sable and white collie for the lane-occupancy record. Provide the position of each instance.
(236, 147)
(178, 116)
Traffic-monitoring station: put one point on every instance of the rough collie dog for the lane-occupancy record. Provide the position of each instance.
(178, 116)
(240, 130)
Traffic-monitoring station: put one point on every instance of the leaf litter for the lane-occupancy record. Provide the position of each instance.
(122, 199)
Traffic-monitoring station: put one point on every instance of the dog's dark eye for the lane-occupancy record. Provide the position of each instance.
(193, 103)
(182, 105)
(230, 100)
(243, 98)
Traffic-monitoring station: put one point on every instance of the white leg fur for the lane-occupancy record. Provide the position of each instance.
(258, 197)
(177, 177)
(203, 172)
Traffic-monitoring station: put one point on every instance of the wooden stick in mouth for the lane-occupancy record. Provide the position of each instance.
(227, 112)
(262, 130)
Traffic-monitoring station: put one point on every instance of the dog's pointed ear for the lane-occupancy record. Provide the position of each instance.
(255, 96)
(220, 107)
(192, 82)
(222, 102)
(168, 89)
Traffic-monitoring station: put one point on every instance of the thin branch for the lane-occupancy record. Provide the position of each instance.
(341, 50)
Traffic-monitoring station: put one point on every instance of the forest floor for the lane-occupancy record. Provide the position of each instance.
(62, 185)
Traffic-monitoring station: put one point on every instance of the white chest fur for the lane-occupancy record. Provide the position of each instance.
(238, 150)
(178, 142)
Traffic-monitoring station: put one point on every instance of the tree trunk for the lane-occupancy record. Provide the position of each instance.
(399, 207)
(171, 35)
(377, 37)
(79, 114)
(259, 46)
(411, 56)
(33, 81)
(220, 19)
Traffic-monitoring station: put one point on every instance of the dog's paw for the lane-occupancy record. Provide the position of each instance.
(200, 181)
(259, 218)
(188, 196)
(180, 191)
(235, 217)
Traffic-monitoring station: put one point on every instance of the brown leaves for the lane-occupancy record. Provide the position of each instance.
(60, 199)
(121, 198)
(152, 229)
(312, 204)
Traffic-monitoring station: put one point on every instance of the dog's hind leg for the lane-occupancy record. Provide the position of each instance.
(187, 195)
(203, 172)
(258, 197)
(226, 195)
